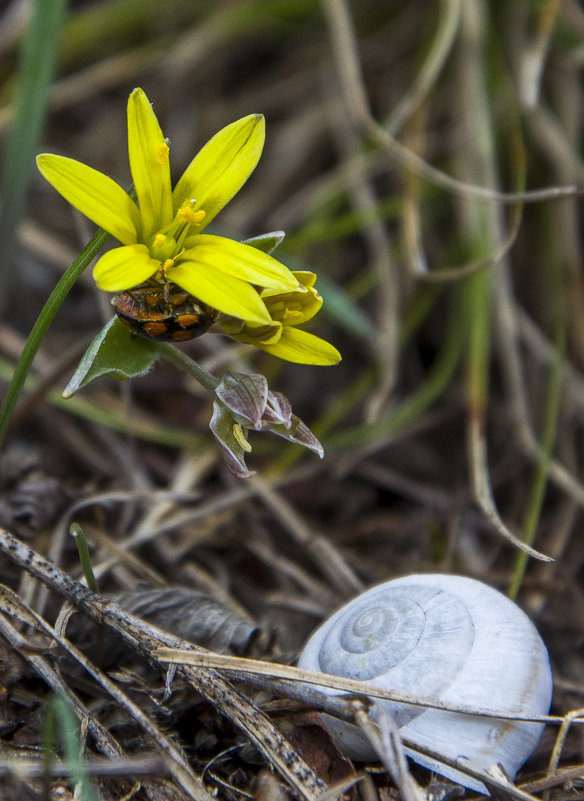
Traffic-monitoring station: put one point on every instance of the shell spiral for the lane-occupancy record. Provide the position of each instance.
(447, 638)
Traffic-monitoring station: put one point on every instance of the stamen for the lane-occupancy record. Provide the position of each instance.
(159, 240)
(240, 437)
(186, 215)
(167, 264)
(162, 154)
(291, 314)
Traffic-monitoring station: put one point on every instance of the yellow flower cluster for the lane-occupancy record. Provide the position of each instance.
(260, 300)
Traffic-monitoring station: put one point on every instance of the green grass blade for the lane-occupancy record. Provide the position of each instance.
(60, 719)
(43, 322)
(36, 69)
(551, 411)
(83, 550)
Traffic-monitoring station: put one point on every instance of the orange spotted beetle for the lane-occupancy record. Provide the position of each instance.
(163, 311)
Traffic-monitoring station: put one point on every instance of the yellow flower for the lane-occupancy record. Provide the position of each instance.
(280, 337)
(161, 234)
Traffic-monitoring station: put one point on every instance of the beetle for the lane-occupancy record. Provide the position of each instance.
(163, 311)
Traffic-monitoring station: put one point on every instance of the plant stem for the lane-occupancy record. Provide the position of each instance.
(189, 366)
(44, 320)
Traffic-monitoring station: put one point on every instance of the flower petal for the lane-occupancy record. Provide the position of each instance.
(292, 308)
(299, 433)
(245, 396)
(305, 277)
(225, 431)
(301, 347)
(94, 194)
(149, 164)
(241, 261)
(122, 268)
(221, 291)
(252, 334)
(222, 166)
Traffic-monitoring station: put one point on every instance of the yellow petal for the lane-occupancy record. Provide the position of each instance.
(292, 308)
(301, 347)
(304, 277)
(221, 168)
(252, 334)
(149, 164)
(221, 291)
(122, 268)
(94, 194)
(241, 261)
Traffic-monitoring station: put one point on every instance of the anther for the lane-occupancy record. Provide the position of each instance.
(240, 437)
(162, 154)
(187, 215)
(291, 314)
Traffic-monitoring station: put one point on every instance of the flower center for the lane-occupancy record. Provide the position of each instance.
(167, 244)
(285, 311)
(186, 214)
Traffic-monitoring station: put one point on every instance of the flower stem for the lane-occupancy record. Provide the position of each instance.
(189, 366)
(44, 320)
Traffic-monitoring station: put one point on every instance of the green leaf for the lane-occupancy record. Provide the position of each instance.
(115, 351)
(266, 242)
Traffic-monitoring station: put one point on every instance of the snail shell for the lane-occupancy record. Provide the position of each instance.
(447, 638)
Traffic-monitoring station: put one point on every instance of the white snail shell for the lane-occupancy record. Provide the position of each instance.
(447, 638)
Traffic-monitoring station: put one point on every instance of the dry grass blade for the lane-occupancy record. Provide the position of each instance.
(348, 66)
(437, 55)
(494, 779)
(484, 493)
(175, 760)
(561, 739)
(564, 777)
(380, 249)
(386, 740)
(400, 138)
(112, 767)
(513, 324)
(147, 639)
(241, 665)
(105, 742)
(330, 561)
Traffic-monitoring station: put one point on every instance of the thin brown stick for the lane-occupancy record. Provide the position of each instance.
(104, 741)
(239, 665)
(172, 755)
(146, 639)
(328, 558)
(390, 749)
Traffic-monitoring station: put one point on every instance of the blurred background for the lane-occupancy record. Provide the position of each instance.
(423, 159)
